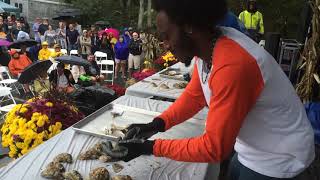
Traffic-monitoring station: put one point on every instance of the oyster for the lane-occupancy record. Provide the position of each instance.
(63, 158)
(105, 158)
(154, 84)
(53, 170)
(117, 167)
(116, 131)
(93, 153)
(164, 86)
(72, 175)
(121, 177)
(100, 173)
(181, 85)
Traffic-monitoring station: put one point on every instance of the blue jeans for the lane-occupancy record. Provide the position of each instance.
(73, 47)
(237, 171)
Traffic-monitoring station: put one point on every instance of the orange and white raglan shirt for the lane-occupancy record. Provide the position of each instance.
(252, 107)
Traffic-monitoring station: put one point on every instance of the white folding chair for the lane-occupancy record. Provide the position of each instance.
(74, 52)
(107, 68)
(99, 56)
(6, 96)
(64, 51)
(7, 81)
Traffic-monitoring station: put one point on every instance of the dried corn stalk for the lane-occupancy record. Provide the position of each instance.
(309, 60)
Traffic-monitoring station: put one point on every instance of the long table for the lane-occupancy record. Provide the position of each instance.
(144, 167)
(145, 89)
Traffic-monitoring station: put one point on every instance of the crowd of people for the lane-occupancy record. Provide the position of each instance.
(125, 49)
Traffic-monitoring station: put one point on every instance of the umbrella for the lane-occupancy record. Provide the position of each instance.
(102, 23)
(62, 18)
(100, 33)
(32, 71)
(26, 42)
(69, 12)
(4, 42)
(115, 32)
(73, 60)
(2, 10)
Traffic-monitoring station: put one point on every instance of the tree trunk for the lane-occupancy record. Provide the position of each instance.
(121, 4)
(128, 4)
(149, 22)
(141, 11)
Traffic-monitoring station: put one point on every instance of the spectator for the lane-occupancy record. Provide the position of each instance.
(121, 56)
(62, 79)
(113, 40)
(130, 29)
(61, 35)
(13, 17)
(95, 43)
(93, 28)
(16, 66)
(135, 51)
(253, 20)
(34, 51)
(105, 45)
(44, 53)
(127, 36)
(24, 51)
(43, 28)
(25, 25)
(35, 29)
(3, 26)
(78, 28)
(16, 30)
(4, 56)
(41, 83)
(57, 51)
(50, 36)
(93, 71)
(85, 44)
(72, 38)
(10, 23)
(77, 71)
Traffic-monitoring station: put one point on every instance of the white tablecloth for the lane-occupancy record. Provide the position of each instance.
(29, 166)
(146, 89)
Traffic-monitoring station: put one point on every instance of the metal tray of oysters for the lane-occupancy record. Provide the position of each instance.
(172, 73)
(110, 121)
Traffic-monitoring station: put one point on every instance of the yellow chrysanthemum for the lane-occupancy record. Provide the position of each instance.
(23, 110)
(49, 104)
(40, 122)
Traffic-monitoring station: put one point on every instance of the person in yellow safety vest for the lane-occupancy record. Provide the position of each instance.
(253, 20)
(44, 53)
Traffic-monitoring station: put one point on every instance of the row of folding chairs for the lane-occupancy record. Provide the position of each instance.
(7, 81)
(106, 65)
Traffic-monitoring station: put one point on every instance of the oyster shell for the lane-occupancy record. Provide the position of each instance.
(105, 158)
(93, 153)
(63, 158)
(154, 84)
(121, 177)
(53, 170)
(181, 85)
(117, 167)
(164, 86)
(100, 173)
(72, 175)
